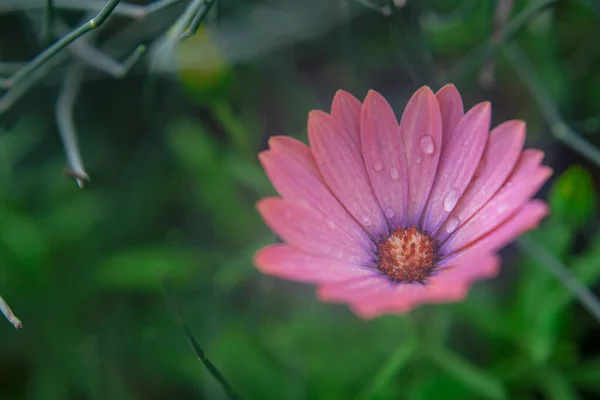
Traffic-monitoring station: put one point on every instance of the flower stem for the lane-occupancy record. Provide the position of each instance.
(558, 127)
(587, 299)
(474, 59)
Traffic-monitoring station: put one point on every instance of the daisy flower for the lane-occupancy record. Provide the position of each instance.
(385, 216)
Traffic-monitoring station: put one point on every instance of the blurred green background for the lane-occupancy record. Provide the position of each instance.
(167, 227)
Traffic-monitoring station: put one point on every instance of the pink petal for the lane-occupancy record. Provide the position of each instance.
(499, 158)
(402, 299)
(356, 289)
(449, 285)
(294, 148)
(421, 131)
(523, 183)
(527, 218)
(465, 269)
(345, 109)
(384, 157)
(458, 162)
(303, 228)
(286, 262)
(451, 109)
(341, 164)
(295, 176)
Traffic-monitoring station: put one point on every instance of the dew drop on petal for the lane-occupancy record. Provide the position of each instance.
(377, 166)
(451, 199)
(427, 145)
(389, 212)
(452, 224)
(364, 218)
(330, 224)
(413, 199)
(394, 173)
(419, 160)
(500, 209)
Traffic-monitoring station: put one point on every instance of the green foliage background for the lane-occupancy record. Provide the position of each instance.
(169, 222)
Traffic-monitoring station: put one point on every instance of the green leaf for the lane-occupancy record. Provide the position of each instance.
(573, 198)
(557, 387)
(399, 359)
(585, 375)
(145, 268)
(473, 377)
(23, 241)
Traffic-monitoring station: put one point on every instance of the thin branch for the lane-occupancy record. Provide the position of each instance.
(197, 20)
(23, 78)
(386, 11)
(99, 60)
(8, 313)
(66, 124)
(587, 299)
(214, 371)
(487, 75)
(96, 59)
(474, 59)
(558, 127)
(164, 46)
(125, 9)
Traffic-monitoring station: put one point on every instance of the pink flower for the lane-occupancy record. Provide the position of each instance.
(386, 216)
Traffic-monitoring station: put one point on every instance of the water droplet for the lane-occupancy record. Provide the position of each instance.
(364, 218)
(394, 173)
(451, 199)
(480, 168)
(419, 160)
(446, 175)
(377, 166)
(452, 224)
(501, 208)
(427, 145)
(413, 199)
(466, 142)
(389, 212)
(330, 224)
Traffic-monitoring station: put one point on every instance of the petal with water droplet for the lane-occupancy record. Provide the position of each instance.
(296, 177)
(343, 169)
(421, 117)
(527, 218)
(381, 143)
(457, 165)
(501, 154)
(303, 228)
(524, 182)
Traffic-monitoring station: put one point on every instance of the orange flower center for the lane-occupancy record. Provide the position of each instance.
(407, 255)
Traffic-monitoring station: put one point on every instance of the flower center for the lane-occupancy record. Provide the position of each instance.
(407, 255)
